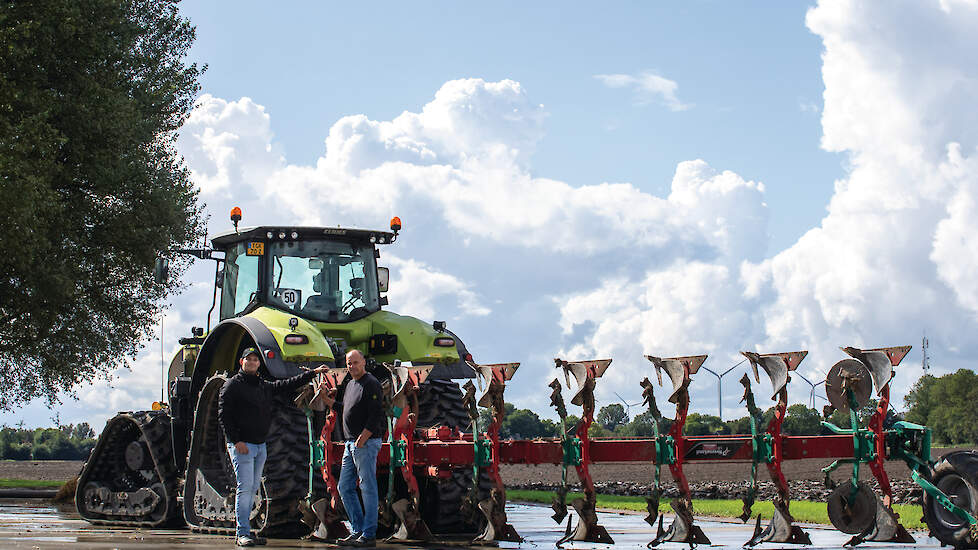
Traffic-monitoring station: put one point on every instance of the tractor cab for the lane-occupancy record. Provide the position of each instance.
(326, 275)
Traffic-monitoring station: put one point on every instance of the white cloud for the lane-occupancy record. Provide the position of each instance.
(417, 288)
(647, 87)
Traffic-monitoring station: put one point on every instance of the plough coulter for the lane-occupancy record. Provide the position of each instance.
(854, 507)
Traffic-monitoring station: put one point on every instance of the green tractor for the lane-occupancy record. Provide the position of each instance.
(302, 296)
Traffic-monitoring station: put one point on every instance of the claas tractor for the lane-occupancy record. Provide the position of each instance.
(302, 296)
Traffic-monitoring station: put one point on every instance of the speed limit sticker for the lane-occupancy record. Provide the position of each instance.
(289, 296)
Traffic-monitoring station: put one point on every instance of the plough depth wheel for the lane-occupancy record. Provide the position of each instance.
(957, 475)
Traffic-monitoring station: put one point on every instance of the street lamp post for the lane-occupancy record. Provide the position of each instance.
(720, 386)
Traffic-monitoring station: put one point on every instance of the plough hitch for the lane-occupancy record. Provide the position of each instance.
(576, 450)
(768, 447)
(486, 448)
(679, 370)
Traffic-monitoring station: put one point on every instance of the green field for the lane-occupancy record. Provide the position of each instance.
(803, 511)
(29, 484)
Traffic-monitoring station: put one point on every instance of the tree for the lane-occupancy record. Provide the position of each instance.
(92, 94)
(802, 420)
(612, 416)
(705, 424)
(947, 406)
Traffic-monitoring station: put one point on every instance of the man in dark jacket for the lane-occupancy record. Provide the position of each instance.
(245, 413)
(363, 425)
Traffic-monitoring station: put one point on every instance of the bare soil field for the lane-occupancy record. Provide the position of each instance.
(698, 472)
(45, 470)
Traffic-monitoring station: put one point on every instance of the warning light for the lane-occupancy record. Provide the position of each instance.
(395, 224)
(235, 217)
(157, 406)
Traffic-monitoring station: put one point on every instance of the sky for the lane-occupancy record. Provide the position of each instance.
(647, 178)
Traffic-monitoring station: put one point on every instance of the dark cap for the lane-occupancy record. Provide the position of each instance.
(249, 351)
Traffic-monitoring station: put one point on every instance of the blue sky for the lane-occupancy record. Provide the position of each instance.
(647, 178)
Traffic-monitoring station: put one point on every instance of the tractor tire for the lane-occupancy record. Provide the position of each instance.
(443, 499)
(957, 475)
(440, 404)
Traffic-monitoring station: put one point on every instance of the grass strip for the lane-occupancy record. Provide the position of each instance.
(803, 511)
(6, 483)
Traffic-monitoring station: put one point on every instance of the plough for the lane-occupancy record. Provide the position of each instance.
(853, 506)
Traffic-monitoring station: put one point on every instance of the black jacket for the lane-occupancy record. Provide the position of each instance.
(363, 407)
(245, 405)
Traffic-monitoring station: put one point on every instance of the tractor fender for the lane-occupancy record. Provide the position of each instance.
(219, 352)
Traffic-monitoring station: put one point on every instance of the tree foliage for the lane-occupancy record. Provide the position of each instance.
(68, 442)
(611, 416)
(946, 405)
(92, 93)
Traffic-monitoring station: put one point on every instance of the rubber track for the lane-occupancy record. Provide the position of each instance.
(285, 478)
(106, 463)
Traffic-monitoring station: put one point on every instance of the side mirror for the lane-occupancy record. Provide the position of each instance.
(161, 272)
(383, 278)
(219, 279)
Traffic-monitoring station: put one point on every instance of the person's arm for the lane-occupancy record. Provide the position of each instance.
(375, 412)
(294, 382)
(227, 417)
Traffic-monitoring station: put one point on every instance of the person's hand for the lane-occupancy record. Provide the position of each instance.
(362, 440)
(241, 447)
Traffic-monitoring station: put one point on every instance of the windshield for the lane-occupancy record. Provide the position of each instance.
(323, 280)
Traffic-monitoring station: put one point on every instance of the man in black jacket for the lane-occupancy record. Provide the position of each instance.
(245, 413)
(363, 425)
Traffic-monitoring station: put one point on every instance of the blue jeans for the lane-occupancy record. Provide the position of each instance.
(247, 470)
(360, 463)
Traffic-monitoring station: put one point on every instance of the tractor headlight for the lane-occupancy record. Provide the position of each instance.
(444, 342)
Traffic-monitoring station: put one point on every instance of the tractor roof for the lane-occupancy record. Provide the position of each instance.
(304, 233)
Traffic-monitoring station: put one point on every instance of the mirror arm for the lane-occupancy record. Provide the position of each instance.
(217, 270)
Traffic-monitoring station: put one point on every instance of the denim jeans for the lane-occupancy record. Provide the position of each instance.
(247, 470)
(360, 463)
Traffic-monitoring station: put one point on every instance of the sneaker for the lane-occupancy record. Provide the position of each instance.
(245, 541)
(349, 540)
(364, 542)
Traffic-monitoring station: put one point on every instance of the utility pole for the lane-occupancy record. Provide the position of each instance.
(925, 361)
(720, 386)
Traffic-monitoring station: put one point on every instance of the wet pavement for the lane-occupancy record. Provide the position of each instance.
(40, 525)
